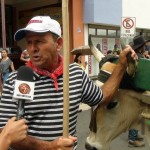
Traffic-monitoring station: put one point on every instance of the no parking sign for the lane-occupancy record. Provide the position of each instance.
(128, 26)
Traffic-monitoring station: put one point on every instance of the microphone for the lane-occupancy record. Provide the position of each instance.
(24, 89)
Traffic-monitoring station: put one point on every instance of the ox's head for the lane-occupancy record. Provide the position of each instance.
(100, 122)
(110, 121)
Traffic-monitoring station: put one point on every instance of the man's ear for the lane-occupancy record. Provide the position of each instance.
(59, 43)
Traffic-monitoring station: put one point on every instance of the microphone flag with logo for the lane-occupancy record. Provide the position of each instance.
(24, 89)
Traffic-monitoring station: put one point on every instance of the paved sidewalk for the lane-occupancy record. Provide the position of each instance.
(121, 143)
(84, 107)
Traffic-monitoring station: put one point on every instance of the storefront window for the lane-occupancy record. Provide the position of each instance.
(107, 39)
(112, 33)
(118, 33)
(92, 31)
(144, 34)
(148, 34)
(101, 32)
(137, 33)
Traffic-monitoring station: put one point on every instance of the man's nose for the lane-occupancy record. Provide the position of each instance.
(33, 47)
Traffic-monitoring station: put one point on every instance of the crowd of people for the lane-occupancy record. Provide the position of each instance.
(144, 52)
(44, 114)
(138, 44)
(78, 61)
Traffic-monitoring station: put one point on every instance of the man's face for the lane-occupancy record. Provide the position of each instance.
(4, 53)
(43, 50)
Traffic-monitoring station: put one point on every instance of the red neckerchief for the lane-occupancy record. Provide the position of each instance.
(54, 75)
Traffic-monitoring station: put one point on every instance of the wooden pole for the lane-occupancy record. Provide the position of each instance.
(3, 23)
(66, 54)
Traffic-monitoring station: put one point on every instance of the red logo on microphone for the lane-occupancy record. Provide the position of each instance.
(24, 88)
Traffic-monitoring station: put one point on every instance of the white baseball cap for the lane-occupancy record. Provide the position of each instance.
(39, 24)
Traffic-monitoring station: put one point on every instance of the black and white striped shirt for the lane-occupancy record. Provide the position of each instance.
(45, 113)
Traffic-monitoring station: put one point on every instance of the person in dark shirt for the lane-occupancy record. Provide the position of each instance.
(25, 56)
(6, 64)
(138, 44)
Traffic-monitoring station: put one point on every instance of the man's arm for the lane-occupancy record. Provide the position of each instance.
(31, 143)
(12, 66)
(13, 132)
(22, 57)
(111, 86)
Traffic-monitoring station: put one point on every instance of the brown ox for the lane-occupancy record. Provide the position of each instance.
(109, 122)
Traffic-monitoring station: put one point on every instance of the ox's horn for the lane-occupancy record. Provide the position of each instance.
(97, 54)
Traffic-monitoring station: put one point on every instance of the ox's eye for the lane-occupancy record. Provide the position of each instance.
(112, 105)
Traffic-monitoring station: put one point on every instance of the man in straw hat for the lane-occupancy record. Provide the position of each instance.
(44, 114)
(134, 138)
(138, 45)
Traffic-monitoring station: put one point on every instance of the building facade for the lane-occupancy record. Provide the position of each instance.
(99, 18)
(103, 20)
(19, 12)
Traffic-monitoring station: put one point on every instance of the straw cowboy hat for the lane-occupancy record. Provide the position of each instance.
(138, 41)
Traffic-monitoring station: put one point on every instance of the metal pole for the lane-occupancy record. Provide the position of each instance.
(3, 23)
(66, 54)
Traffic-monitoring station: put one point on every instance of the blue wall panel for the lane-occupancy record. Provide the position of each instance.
(88, 11)
(103, 11)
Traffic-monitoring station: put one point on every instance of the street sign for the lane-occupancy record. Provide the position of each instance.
(128, 25)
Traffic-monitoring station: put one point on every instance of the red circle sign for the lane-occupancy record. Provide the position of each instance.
(128, 23)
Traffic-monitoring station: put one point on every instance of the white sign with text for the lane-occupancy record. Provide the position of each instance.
(128, 26)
